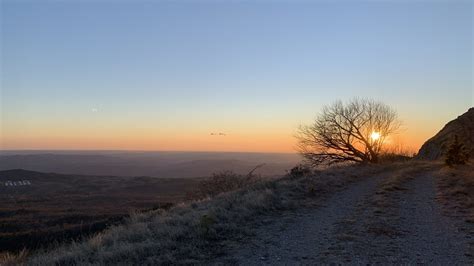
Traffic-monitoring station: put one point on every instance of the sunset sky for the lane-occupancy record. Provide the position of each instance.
(162, 75)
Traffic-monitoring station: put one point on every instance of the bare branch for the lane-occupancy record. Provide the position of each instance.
(343, 132)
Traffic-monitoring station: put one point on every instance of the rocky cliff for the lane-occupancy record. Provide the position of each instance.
(463, 127)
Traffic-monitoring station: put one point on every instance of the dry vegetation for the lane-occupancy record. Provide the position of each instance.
(223, 182)
(196, 231)
(456, 190)
(384, 202)
(58, 208)
(396, 180)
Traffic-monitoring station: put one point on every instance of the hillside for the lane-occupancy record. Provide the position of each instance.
(346, 215)
(463, 127)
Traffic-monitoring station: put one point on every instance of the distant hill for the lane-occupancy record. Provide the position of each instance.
(156, 164)
(463, 127)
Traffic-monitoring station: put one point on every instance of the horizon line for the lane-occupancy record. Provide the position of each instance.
(133, 150)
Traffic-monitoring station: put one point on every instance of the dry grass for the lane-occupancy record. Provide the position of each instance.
(405, 173)
(393, 182)
(455, 192)
(384, 202)
(222, 182)
(195, 232)
(455, 187)
(383, 229)
(9, 258)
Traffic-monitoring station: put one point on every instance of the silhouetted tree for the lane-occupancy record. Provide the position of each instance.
(354, 131)
(456, 153)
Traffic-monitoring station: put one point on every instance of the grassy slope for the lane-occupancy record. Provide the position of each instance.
(195, 232)
(456, 190)
(456, 193)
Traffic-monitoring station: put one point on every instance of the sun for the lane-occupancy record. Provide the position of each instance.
(375, 136)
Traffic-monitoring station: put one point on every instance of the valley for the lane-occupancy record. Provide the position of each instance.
(38, 209)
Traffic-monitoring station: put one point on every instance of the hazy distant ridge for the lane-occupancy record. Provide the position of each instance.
(157, 164)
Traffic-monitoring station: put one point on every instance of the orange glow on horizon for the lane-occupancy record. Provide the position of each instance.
(204, 142)
(250, 137)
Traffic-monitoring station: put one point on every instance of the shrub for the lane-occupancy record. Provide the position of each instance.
(393, 157)
(397, 153)
(205, 223)
(223, 182)
(456, 153)
(300, 170)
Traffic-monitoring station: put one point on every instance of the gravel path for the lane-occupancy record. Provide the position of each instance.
(412, 231)
(304, 238)
(430, 238)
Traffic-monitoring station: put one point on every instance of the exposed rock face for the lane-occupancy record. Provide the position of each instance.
(463, 127)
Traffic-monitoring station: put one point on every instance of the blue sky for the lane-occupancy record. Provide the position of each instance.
(199, 66)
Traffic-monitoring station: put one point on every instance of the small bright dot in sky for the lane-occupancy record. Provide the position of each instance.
(375, 135)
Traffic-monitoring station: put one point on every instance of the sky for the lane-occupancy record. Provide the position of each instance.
(163, 75)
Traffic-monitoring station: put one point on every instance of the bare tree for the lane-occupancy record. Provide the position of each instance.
(354, 131)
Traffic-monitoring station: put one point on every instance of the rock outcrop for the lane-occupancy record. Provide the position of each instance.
(463, 127)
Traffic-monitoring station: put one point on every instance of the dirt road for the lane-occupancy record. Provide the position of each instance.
(363, 224)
